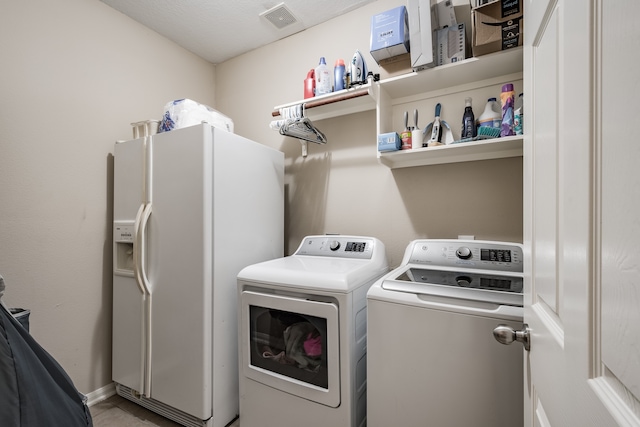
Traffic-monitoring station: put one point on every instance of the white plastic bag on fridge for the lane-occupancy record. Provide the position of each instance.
(186, 112)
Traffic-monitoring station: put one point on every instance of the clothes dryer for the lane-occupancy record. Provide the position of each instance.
(433, 360)
(302, 333)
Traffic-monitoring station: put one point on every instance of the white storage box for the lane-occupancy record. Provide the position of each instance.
(422, 24)
(451, 44)
(389, 34)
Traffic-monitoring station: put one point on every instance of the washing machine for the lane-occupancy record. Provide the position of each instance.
(303, 333)
(432, 357)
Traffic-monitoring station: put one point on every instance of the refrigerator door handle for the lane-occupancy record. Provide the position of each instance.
(144, 220)
(142, 244)
(139, 253)
(137, 247)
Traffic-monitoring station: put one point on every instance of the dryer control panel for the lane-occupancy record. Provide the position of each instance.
(475, 254)
(338, 246)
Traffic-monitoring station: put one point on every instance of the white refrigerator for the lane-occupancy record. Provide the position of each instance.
(191, 208)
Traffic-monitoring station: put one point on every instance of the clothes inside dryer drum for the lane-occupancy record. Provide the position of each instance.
(290, 344)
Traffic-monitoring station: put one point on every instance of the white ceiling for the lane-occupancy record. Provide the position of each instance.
(217, 30)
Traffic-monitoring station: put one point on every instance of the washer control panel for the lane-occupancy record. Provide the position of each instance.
(484, 255)
(338, 246)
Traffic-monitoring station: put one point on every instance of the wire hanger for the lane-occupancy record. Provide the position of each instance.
(296, 125)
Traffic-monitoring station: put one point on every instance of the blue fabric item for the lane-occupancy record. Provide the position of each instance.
(34, 389)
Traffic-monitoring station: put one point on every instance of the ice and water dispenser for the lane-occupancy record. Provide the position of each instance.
(123, 235)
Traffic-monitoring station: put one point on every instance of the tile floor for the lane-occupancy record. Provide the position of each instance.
(117, 411)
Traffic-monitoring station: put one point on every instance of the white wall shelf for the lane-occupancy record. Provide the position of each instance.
(347, 101)
(450, 75)
(497, 148)
(383, 95)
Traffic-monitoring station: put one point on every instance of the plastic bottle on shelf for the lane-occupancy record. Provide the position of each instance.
(491, 116)
(338, 75)
(323, 78)
(468, 121)
(405, 135)
(310, 84)
(507, 100)
(518, 115)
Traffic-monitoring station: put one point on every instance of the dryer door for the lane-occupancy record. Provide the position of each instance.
(291, 344)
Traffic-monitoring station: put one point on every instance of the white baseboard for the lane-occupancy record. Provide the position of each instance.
(101, 394)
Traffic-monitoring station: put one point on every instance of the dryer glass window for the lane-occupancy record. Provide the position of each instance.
(289, 344)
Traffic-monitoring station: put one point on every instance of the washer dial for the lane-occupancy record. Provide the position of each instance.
(463, 252)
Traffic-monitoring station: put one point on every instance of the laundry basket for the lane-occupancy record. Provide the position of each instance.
(22, 316)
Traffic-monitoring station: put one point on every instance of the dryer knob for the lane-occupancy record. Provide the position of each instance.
(335, 245)
(463, 252)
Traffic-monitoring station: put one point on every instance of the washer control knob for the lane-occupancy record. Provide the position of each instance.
(334, 246)
(463, 252)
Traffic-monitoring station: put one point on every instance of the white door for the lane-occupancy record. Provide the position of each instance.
(581, 230)
(129, 296)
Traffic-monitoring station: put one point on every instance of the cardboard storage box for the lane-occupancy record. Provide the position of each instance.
(389, 34)
(395, 66)
(497, 26)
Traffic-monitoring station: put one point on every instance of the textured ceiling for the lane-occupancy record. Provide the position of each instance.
(217, 30)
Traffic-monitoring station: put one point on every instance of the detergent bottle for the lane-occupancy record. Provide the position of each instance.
(507, 100)
(491, 116)
(310, 84)
(338, 75)
(323, 78)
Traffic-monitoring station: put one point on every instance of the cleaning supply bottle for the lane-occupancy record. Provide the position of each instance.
(323, 78)
(507, 100)
(338, 75)
(405, 135)
(468, 121)
(310, 84)
(491, 116)
(518, 115)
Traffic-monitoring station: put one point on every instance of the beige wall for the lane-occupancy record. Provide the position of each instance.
(74, 74)
(340, 187)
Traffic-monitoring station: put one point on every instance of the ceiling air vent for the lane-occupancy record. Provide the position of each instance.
(280, 16)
